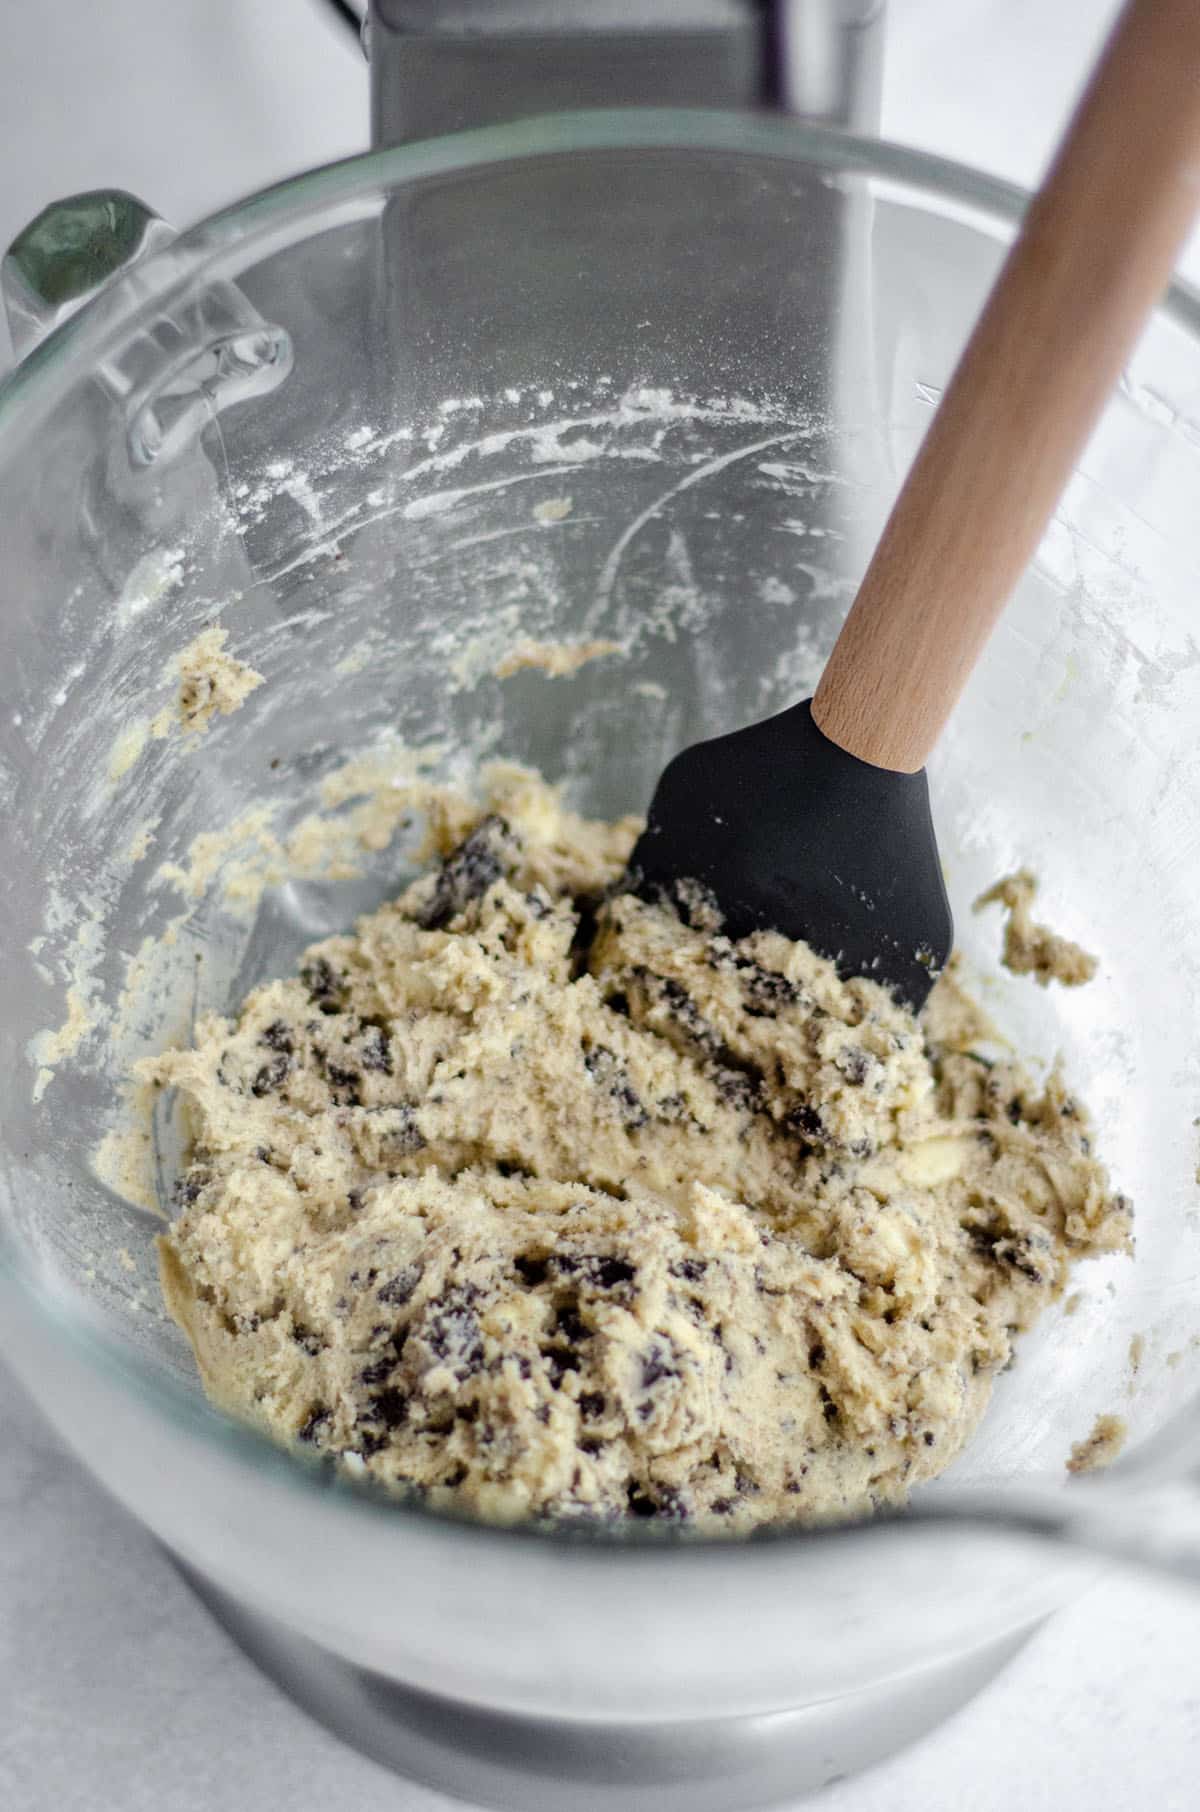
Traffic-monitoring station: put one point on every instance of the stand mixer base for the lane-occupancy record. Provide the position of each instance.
(522, 1764)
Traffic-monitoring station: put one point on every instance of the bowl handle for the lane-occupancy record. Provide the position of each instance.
(60, 260)
(175, 373)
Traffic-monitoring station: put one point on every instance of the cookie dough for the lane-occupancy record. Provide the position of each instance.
(540, 1202)
(557, 659)
(211, 684)
(1101, 1447)
(1030, 948)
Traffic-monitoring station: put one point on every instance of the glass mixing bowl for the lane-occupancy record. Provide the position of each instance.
(653, 378)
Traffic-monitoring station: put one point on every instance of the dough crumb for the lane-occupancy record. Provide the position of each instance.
(1030, 948)
(552, 509)
(211, 684)
(1101, 1447)
(529, 1198)
(141, 841)
(557, 659)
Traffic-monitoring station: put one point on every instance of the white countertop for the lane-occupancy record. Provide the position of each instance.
(116, 1690)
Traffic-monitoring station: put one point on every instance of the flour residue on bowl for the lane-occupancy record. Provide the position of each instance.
(156, 576)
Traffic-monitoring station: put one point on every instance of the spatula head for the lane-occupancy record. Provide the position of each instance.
(791, 834)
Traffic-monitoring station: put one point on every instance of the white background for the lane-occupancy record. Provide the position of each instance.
(115, 1689)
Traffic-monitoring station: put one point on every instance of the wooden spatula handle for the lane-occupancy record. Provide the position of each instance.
(1095, 252)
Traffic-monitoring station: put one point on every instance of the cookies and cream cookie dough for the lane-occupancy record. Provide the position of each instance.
(211, 682)
(1031, 948)
(540, 1202)
(1101, 1447)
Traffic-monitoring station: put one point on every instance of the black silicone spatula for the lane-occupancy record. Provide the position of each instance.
(791, 833)
(816, 823)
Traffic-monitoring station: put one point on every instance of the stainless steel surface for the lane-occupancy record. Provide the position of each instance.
(444, 65)
(543, 1764)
